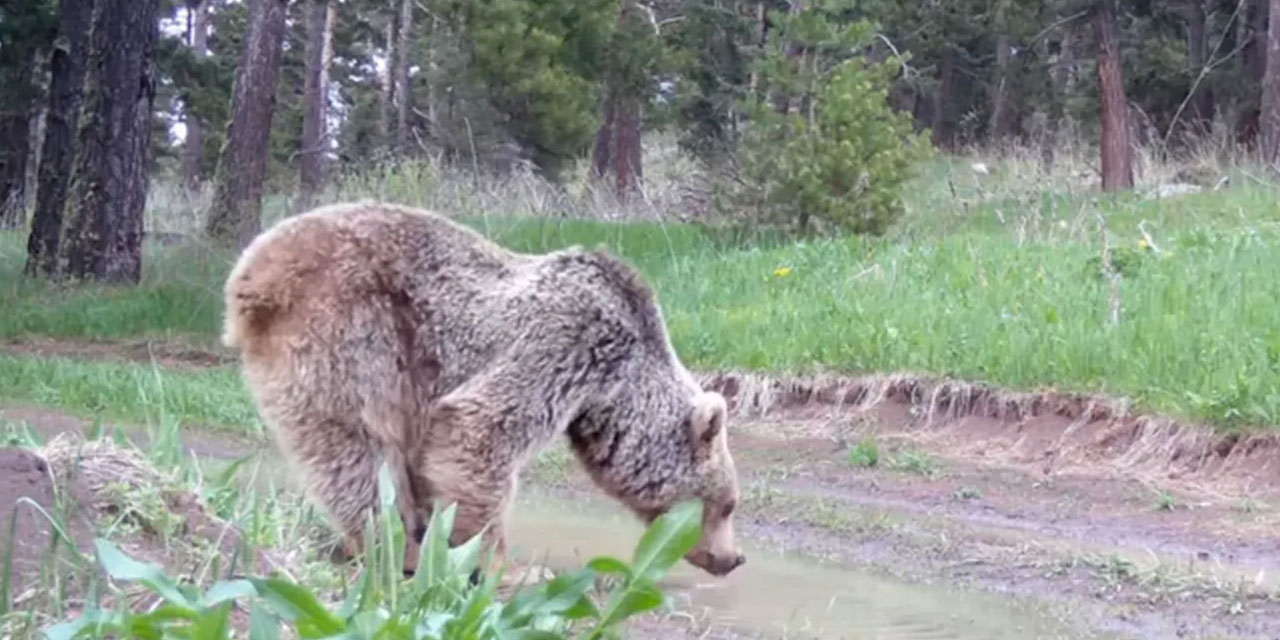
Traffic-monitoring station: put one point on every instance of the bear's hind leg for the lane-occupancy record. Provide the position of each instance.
(341, 477)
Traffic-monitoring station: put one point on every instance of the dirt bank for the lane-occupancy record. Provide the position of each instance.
(69, 491)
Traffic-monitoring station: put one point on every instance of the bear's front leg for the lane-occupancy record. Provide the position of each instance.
(483, 498)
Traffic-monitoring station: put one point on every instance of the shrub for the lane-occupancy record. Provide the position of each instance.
(824, 151)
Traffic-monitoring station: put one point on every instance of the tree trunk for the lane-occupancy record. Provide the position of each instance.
(62, 119)
(1061, 77)
(319, 54)
(17, 105)
(386, 98)
(193, 145)
(793, 51)
(236, 213)
(1254, 53)
(942, 100)
(997, 128)
(1117, 156)
(761, 21)
(1201, 102)
(102, 237)
(617, 144)
(602, 151)
(402, 93)
(1269, 127)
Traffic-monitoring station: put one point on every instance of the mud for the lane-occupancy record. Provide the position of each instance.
(786, 594)
(29, 501)
(987, 514)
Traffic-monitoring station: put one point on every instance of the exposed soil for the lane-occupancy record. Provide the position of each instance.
(1130, 525)
(25, 479)
(91, 489)
(167, 353)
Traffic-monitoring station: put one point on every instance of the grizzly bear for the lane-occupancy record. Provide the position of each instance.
(372, 333)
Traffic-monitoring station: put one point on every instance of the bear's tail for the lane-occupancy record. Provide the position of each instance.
(256, 293)
(248, 316)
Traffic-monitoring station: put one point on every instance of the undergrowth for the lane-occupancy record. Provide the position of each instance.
(124, 596)
(438, 602)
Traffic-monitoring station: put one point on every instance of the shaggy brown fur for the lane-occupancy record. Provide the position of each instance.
(373, 332)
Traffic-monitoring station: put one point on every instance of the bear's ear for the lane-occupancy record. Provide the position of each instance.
(708, 417)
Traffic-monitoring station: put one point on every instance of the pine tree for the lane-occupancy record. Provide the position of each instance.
(102, 233)
(62, 119)
(235, 216)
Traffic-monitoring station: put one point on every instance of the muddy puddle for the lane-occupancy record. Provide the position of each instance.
(783, 595)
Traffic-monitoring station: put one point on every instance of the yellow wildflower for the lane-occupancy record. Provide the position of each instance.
(1142, 243)
(782, 272)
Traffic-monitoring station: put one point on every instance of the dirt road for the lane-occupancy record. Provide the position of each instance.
(909, 508)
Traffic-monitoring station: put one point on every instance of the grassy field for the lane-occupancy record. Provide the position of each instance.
(991, 281)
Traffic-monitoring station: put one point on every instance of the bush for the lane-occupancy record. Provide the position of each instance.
(824, 152)
(437, 603)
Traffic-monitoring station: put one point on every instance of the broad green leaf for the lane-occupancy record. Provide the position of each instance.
(667, 540)
(635, 599)
(534, 634)
(213, 623)
(262, 626)
(355, 597)
(96, 620)
(433, 555)
(227, 590)
(122, 567)
(565, 592)
(609, 564)
(297, 605)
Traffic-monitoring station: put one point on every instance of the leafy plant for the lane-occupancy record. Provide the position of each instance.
(865, 454)
(438, 602)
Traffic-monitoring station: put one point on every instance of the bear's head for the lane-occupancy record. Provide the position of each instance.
(651, 453)
(698, 467)
(714, 481)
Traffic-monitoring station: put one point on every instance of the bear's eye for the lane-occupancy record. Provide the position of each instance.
(728, 509)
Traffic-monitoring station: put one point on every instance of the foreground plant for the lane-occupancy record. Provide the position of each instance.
(437, 603)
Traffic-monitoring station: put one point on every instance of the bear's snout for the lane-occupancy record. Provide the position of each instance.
(717, 565)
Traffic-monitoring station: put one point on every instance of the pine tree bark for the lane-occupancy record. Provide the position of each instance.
(1061, 83)
(402, 94)
(62, 119)
(235, 217)
(1254, 27)
(1117, 156)
(999, 93)
(18, 99)
(193, 145)
(941, 122)
(386, 98)
(1201, 102)
(1269, 126)
(102, 236)
(617, 146)
(319, 54)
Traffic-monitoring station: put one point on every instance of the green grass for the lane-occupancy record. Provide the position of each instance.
(1006, 291)
(130, 392)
